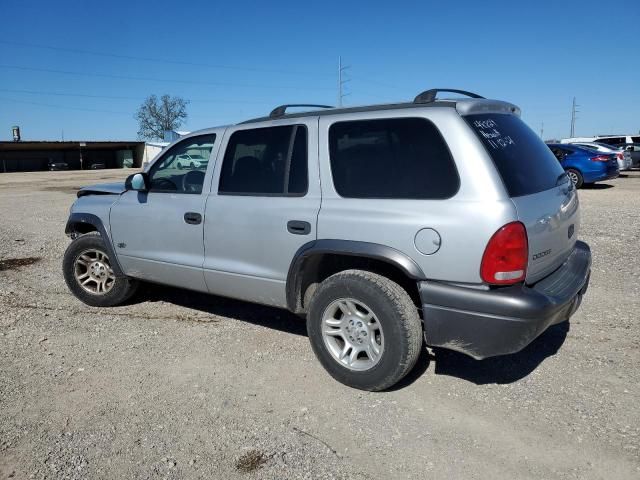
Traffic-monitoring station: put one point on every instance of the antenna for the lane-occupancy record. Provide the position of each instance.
(542, 130)
(341, 80)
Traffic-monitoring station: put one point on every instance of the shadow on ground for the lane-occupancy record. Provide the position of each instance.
(501, 370)
(264, 316)
(506, 368)
(597, 186)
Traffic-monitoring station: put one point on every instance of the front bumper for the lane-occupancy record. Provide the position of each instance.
(486, 323)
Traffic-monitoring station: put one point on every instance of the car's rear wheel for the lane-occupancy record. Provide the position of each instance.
(576, 177)
(89, 274)
(364, 329)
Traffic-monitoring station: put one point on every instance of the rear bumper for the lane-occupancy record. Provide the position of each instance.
(486, 323)
(609, 174)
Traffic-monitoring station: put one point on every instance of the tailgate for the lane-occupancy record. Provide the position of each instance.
(552, 220)
(546, 202)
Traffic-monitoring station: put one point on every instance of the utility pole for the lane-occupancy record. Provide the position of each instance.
(574, 110)
(542, 130)
(341, 81)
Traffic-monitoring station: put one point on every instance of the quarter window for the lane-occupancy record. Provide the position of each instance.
(403, 158)
(268, 161)
(183, 167)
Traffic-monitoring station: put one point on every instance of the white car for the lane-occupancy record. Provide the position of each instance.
(191, 161)
(623, 156)
(629, 143)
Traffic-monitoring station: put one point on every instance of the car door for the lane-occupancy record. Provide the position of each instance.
(263, 207)
(158, 235)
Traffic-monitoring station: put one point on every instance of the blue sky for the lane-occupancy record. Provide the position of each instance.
(235, 60)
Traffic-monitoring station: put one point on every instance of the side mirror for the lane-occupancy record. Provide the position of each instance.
(138, 182)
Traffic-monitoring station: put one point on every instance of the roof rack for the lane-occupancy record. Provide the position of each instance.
(282, 109)
(429, 96)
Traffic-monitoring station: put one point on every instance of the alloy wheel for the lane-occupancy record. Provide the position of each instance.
(352, 334)
(93, 272)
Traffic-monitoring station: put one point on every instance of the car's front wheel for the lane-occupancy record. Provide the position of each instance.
(89, 274)
(364, 329)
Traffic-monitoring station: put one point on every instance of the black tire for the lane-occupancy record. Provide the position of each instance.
(396, 313)
(578, 180)
(123, 287)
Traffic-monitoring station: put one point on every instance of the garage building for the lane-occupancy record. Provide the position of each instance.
(74, 155)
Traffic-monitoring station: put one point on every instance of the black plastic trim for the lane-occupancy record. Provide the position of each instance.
(429, 96)
(90, 219)
(486, 323)
(298, 227)
(344, 247)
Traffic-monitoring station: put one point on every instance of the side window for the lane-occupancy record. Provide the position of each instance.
(612, 140)
(268, 161)
(391, 158)
(183, 167)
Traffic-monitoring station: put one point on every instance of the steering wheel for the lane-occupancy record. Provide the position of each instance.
(163, 184)
(192, 181)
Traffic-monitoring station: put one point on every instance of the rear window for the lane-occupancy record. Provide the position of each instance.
(525, 163)
(612, 140)
(401, 158)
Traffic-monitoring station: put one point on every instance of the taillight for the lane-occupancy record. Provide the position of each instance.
(505, 259)
(620, 156)
(600, 158)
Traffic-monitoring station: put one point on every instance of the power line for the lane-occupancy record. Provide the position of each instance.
(154, 59)
(161, 80)
(341, 81)
(63, 107)
(66, 107)
(115, 97)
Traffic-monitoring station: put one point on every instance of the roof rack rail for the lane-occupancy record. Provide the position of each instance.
(429, 96)
(282, 109)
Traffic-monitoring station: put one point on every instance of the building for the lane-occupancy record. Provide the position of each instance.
(24, 156)
(151, 150)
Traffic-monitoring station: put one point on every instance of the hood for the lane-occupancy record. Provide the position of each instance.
(102, 189)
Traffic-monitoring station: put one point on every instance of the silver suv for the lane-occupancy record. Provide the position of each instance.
(440, 221)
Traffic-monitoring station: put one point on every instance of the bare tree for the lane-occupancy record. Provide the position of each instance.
(155, 116)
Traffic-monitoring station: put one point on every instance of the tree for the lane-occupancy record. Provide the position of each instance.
(155, 116)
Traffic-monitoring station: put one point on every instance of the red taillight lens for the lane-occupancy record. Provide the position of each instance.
(620, 156)
(600, 158)
(505, 259)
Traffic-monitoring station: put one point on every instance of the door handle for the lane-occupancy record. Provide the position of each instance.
(298, 227)
(192, 218)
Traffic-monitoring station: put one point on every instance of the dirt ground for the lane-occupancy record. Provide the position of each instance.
(183, 385)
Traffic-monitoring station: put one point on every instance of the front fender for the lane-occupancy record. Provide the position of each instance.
(78, 222)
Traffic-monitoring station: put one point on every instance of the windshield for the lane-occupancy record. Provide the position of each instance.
(523, 160)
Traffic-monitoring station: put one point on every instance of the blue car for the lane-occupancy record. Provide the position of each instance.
(583, 165)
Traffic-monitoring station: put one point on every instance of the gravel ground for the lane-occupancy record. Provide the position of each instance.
(182, 385)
